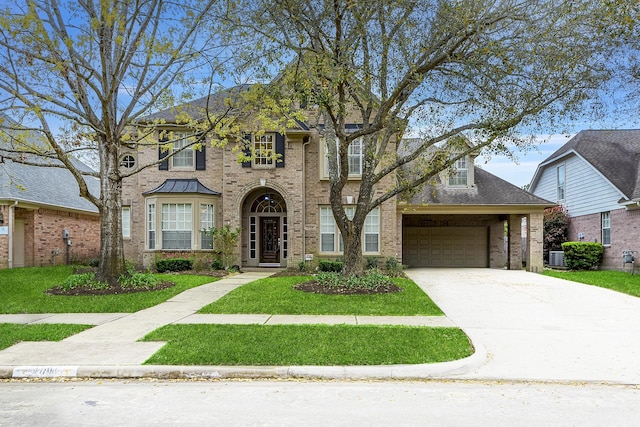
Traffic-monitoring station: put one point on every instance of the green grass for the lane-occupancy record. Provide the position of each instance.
(282, 345)
(614, 280)
(275, 295)
(22, 290)
(11, 334)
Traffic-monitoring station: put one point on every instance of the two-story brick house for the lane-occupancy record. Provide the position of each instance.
(282, 206)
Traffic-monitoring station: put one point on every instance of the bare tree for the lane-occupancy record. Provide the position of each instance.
(80, 75)
(481, 71)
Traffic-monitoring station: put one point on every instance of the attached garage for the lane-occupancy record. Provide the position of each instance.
(445, 246)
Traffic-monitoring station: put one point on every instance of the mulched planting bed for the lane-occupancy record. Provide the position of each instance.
(112, 290)
(315, 287)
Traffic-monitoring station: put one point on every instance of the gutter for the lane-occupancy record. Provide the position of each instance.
(11, 218)
(304, 197)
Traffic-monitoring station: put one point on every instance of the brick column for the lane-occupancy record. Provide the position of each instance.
(515, 242)
(535, 227)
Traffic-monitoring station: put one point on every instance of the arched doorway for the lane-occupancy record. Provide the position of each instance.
(268, 228)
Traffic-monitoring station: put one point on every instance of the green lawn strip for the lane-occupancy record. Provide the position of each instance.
(11, 333)
(22, 290)
(284, 345)
(614, 280)
(275, 295)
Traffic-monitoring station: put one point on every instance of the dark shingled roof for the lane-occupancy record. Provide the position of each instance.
(216, 103)
(614, 153)
(43, 185)
(488, 190)
(191, 185)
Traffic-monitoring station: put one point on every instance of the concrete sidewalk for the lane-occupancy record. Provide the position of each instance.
(111, 348)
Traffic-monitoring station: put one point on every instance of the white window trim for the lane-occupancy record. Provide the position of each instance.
(455, 176)
(126, 222)
(560, 187)
(326, 212)
(324, 161)
(155, 219)
(180, 137)
(605, 224)
(261, 154)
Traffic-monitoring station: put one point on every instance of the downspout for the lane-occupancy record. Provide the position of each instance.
(11, 217)
(304, 196)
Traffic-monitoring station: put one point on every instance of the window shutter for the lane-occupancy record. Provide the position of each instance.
(280, 150)
(201, 158)
(163, 166)
(247, 149)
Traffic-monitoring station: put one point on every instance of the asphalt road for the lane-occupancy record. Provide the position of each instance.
(316, 403)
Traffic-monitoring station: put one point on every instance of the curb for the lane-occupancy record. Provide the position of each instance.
(407, 372)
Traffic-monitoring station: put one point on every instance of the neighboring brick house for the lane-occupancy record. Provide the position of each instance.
(36, 205)
(283, 209)
(595, 177)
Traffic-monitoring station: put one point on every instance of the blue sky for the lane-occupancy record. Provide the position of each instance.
(521, 173)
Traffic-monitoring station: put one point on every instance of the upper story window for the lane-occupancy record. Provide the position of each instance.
(264, 151)
(606, 228)
(459, 174)
(192, 157)
(264, 146)
(182, 159)
(355, 157)
(560, 180)
(128, 161)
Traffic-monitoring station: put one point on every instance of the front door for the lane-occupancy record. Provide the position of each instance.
(270, 240)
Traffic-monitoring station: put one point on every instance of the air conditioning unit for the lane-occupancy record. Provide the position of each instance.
(556, 259)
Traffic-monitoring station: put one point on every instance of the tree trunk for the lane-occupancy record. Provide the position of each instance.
(353, 265)
(112, 263)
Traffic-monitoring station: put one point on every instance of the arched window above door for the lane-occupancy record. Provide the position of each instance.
(268, 202)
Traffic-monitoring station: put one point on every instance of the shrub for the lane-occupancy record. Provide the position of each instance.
(225, 240)
(173, 264)
(86, 280)
(373, 279)
(138, 281)
(582, 255)
(330, 266)
(372, 262)
(556, 229)
(216, 264)
(393, 267)
(302, 266)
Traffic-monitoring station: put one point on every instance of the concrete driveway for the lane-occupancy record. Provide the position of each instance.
(534, 327)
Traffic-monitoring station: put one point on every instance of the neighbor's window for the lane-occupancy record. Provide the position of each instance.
(176, 226)
(459, 173)
(331, 239)
(183, 159)
(560, 173)
(264, 146)
(206, 223)
(606, 228)
(126, 222)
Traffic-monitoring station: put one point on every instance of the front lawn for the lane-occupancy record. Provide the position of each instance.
(285, 345)
(615, 280)
(11, 334)
(22, 290)
(275, 295)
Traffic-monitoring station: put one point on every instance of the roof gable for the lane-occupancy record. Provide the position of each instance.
(488, 190)
(613, 153)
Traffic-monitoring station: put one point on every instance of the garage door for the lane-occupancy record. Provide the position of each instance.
(445, 246)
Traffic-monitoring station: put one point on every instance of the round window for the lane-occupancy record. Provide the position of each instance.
(128, 161)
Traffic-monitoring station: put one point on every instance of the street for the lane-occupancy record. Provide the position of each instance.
(316, 403)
